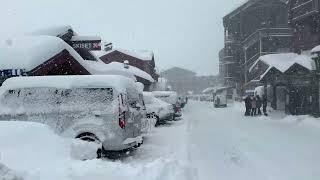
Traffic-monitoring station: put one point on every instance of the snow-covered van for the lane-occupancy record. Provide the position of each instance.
(106, 109)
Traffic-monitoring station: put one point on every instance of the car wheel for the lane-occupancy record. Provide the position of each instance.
(90, 137)
(157, 120)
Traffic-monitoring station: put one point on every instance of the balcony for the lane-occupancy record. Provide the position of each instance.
(266, 32)
(302, 9)
(229, 39)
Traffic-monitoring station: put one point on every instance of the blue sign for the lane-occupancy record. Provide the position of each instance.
(12, 72)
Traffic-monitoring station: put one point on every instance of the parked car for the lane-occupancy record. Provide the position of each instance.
(105, 109)
(158, 109)
(170, 97)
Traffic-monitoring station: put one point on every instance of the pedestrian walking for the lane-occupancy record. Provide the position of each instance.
(264, 105)
(247, 102)
(254, 106)
(259, 104)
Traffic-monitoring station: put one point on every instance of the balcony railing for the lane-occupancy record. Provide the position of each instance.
(303, 9)
(231, 39)
(265, 32)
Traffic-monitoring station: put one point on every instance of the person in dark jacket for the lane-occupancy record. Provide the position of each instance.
(259, 104)
(247, 102)
(253, 106)
(264, 105)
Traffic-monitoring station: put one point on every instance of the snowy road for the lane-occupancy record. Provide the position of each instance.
(207, 144)
(225, 145)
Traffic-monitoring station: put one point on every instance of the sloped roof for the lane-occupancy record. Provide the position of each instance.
(283, 62)
(140, 54)
(53, 31)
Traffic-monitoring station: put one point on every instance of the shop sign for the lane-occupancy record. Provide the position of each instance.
(86, 45)
(12, 72)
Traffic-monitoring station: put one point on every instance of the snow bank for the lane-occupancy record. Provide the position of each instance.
(316, 49)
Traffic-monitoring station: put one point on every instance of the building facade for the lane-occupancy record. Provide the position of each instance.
(256, 28)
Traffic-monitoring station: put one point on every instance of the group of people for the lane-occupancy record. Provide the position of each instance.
(253, 105)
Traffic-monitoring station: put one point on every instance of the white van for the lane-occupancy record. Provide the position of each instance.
(106, 109)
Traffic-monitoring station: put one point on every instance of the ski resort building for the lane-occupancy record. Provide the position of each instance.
(254, 29)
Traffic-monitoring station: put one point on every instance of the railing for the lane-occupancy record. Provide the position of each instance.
(231, 39)
(267, 32)
(303, 9)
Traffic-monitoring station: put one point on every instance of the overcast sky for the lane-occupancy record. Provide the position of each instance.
(185, 33)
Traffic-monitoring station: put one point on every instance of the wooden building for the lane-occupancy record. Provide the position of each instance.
(256, 28)
(143, 60)
(304, 18)
(291, 78)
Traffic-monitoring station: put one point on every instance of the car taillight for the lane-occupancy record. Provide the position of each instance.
(122, 120)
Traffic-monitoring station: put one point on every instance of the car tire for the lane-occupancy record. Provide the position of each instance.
(157, 120)
(90, 137)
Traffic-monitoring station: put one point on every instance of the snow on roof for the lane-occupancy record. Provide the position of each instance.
(53, 31)
(208, 90)
(86, 38)
(99, 54)
(284, 61)
(119, 83)
(27, 52)
(140, 54)
(99, 67)
(316, 49)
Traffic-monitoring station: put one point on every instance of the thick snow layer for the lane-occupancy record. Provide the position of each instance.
(284, 61)
(154, 105)
(170, 97)
(53, 31)
(86, 38)
(99, 67)
(142, 54)
(316, 49)
(28, 52)
(119, 83)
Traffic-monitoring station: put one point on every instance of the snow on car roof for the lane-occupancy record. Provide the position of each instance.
(53, 31)
(119, 83)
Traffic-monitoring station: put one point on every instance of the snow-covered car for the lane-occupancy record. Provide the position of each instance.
(157, 108)
(105, 109)
(170, 97)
